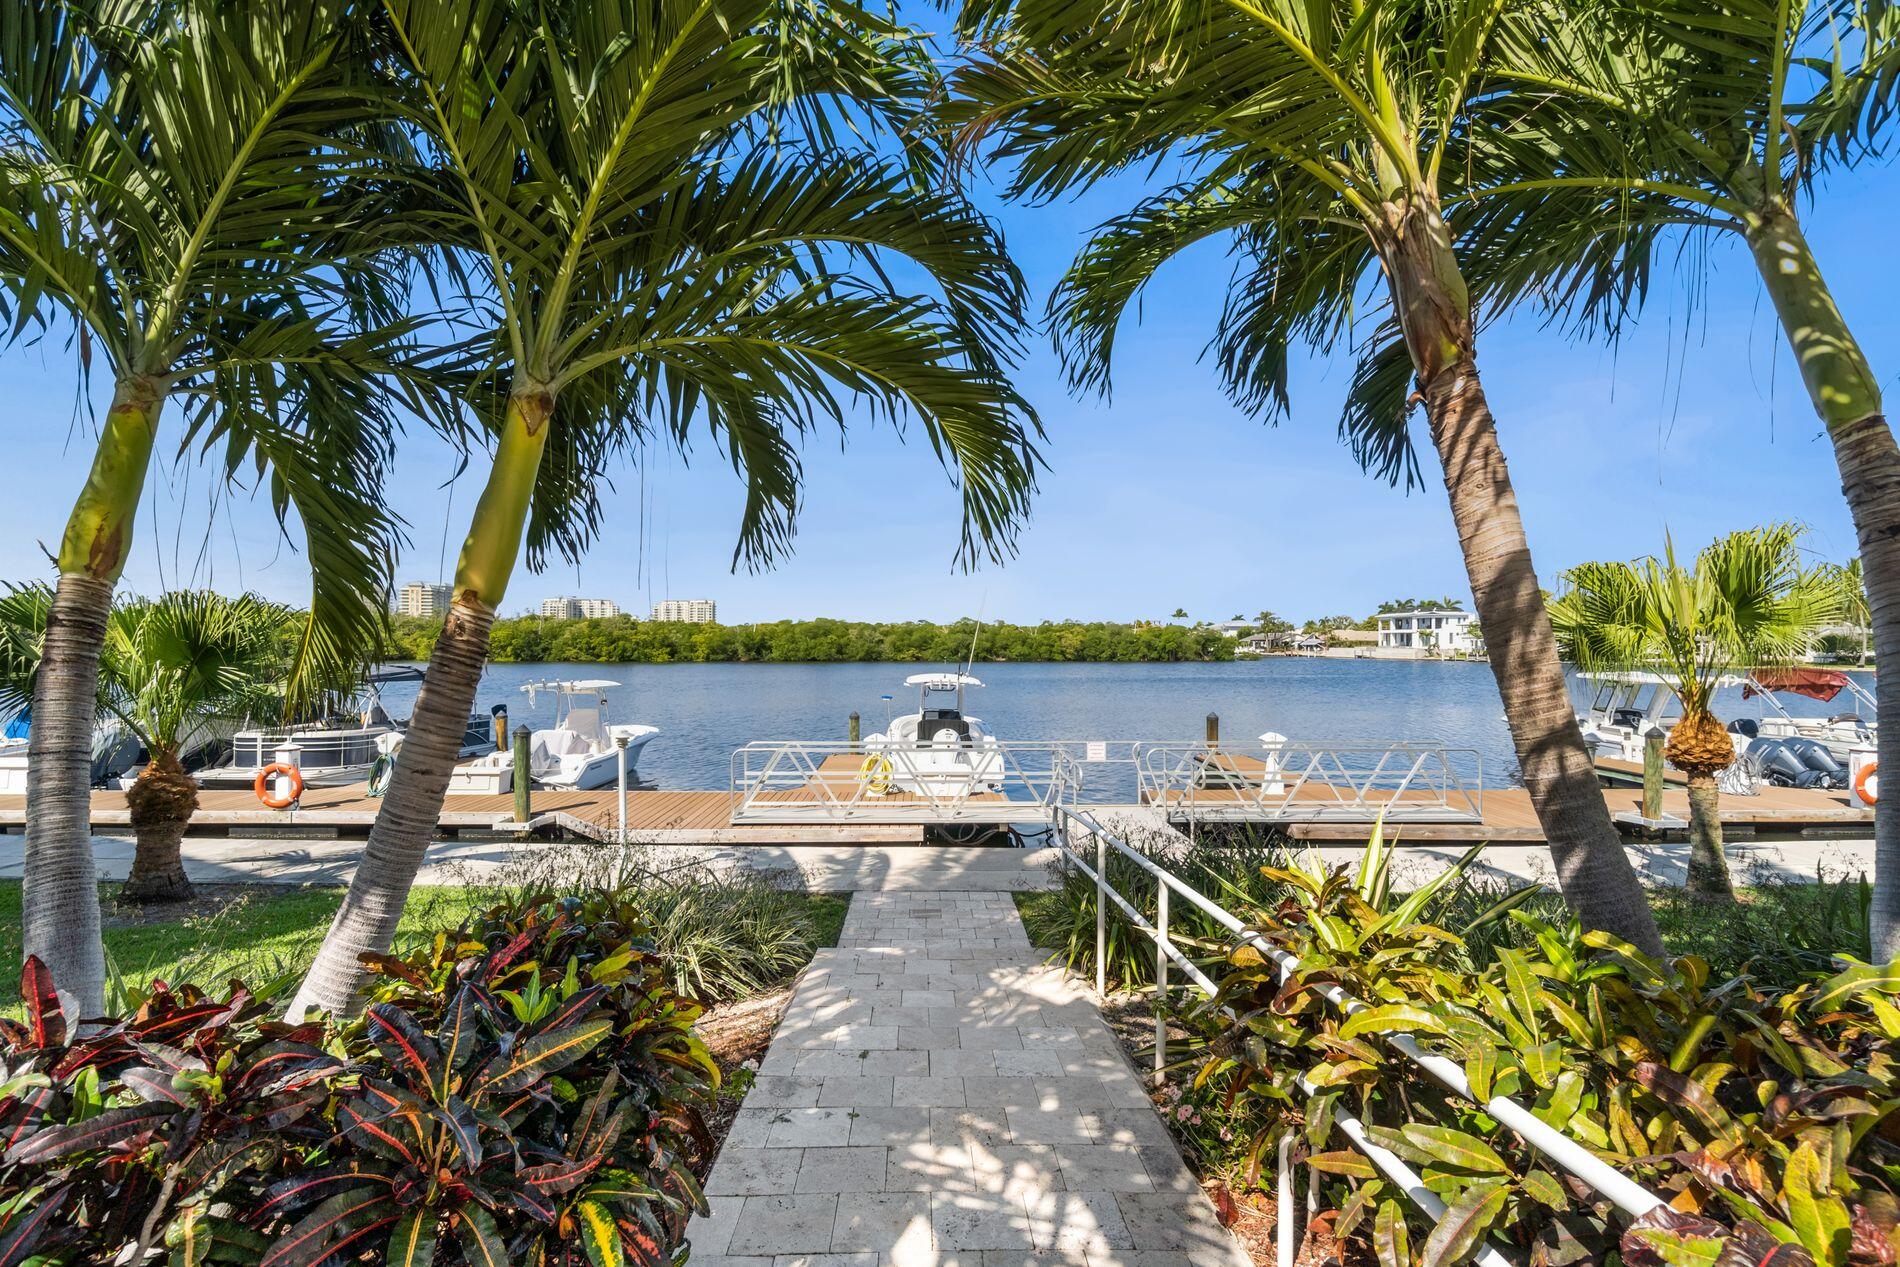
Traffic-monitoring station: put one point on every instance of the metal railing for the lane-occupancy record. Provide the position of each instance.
(900, 783)
(1566, 1153)
(1308, 783)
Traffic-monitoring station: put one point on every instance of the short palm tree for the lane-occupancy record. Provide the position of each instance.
(176, 194)
(1323, 140)
(1746, 602)
(664, 226)
(173, 671)
(1618, 128)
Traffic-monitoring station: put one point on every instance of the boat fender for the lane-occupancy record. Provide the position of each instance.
(875, 774)
(262, 782)
(1867, 773)
(381, 773)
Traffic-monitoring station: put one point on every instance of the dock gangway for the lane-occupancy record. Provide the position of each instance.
(1028, 781)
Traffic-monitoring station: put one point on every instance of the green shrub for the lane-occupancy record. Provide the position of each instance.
(522, 1090)
(722, 935)
(1762, 1119)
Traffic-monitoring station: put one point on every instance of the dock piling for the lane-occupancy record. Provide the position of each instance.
(1213, 730)
(524, 808)
(851, 729)
(1653, 776)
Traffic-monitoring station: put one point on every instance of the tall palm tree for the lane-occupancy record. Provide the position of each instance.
(1322, 138)
(172, 671)
(1618, 128)
(175, 191)
(664, 225)
(1851, 577)
(1746, 602)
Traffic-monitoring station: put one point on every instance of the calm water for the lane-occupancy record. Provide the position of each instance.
(704, 711)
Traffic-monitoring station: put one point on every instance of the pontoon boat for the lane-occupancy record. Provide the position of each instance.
(337, 749)
(1839, 734)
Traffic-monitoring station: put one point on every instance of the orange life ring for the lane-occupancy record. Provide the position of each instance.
(1860, 782)
(263, 781)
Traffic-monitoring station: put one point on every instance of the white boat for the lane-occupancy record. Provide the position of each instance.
(579, 752)
(939, 750)
(337, 749)
(1839, 734)
(1625, 707)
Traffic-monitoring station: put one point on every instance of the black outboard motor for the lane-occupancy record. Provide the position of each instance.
(1815, 755)
(1773, 761)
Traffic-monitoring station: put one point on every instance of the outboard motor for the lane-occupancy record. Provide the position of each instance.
(1773, 761)
(1815, 755)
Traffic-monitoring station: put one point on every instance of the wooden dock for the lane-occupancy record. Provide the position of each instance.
(660, 817)
(705, 817)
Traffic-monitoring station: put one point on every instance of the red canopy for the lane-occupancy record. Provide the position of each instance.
(1821, 684)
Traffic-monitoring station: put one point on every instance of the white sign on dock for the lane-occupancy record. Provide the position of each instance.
(1097, 750)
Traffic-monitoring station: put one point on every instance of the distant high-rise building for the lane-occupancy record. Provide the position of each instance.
(693, 611)
(426, 601)
(579, 608)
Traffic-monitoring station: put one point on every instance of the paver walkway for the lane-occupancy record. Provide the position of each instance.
(937, 1096)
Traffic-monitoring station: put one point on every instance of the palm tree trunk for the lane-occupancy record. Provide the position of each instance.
(162, 801)
(1593, 870)
(1846, 395)
(412, 807)
(60, 898)
(1708, 864)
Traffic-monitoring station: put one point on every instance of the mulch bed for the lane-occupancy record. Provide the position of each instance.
(737, 1035)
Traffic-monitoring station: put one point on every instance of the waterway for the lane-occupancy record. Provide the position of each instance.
(704, 711)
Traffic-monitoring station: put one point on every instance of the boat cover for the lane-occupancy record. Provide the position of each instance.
(1821, 684)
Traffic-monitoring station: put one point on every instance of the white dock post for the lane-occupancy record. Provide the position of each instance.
(290, 754)
(620, 758)
(1271, 784)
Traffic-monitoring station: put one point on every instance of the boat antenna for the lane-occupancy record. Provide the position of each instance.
(970, 661)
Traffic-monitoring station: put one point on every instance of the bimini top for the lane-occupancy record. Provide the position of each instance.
(941, 681)
(584, 684)
(1821, 684)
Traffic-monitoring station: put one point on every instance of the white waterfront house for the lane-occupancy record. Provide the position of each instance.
(1426, 631)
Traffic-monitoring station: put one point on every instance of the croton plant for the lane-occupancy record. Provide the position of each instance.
(1765, 1122)
(524, 1090)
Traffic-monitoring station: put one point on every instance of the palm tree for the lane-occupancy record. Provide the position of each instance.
(1322, 138)
(1855, 609)
(1618, 128)
(664, 226)
(175, 192)
(171, 672)
(1180, 613)
(1747, 602)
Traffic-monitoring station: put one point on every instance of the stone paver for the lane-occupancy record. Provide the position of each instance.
(938, 1096)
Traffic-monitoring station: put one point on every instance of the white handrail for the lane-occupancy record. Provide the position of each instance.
(1622, 1191)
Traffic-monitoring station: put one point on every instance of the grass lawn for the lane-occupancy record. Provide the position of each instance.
(257, 933)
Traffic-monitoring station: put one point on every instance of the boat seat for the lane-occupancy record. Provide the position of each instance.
(936, 721)
(547, 748)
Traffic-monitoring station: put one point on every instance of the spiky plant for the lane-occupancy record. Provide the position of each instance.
(1748, 601)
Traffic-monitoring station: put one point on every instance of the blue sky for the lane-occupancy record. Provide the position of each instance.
(1165, 496)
